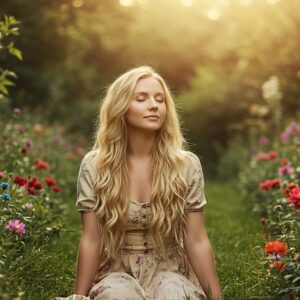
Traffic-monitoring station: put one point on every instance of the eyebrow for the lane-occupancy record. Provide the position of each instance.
(145, 93)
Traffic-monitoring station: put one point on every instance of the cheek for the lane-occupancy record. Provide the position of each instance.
(133, 112)
(164, 112)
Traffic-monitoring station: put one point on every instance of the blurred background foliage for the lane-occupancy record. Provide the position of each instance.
(214, 54)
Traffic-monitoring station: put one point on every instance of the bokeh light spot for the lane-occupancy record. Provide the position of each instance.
(77, 3)
(126, 2)
(212, 14)
(187, 2)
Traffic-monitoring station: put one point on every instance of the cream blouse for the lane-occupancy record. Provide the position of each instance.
(87, 200)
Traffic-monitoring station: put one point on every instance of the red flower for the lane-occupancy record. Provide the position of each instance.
(262, 156)
(289, 187)
(273, 154)
(49, 181)
(20, 128)
(34, 183)
(55, 188)
(31, 190)
(37, 185)
(24, 150)
(295, 193)
(280, 265)
(267, 156)
(284, 162)
(276, 247)
(39, 165)
(21, 181)
(269, 184)
(262, 221)
(276, 183)
(294, 197)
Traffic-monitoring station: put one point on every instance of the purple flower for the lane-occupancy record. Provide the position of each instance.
(285, 170)
(29, 143)
(16, 226)
(263, 140)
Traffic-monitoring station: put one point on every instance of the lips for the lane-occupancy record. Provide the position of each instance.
(152, 117)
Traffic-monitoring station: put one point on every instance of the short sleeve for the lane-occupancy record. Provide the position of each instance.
(86, 199)
(195, 196)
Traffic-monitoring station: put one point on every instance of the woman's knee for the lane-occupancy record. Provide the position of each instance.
(170, 285)
(117, 286)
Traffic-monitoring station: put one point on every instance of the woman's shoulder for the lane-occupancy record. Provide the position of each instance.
(88, 161)
(193, 165)
(191, 158)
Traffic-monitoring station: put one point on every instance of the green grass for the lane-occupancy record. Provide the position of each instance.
(233, 231)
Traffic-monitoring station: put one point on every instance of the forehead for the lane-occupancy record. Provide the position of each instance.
(148, 85)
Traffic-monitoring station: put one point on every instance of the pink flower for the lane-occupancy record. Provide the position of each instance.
(284, 137)
(293, 128)
(286, 170)
(17, 111)
(263, 140)
(2, 174)
(16, 226)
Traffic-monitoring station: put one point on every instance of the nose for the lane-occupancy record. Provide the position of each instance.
(153, 104)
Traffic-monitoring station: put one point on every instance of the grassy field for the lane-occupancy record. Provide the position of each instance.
(234, 232)
(232, 229)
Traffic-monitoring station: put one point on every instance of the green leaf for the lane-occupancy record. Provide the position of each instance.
(3, 90)
(296, 279)
(286, 277)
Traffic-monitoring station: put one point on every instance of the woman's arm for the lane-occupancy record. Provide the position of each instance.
(200, 254)
(89, 253)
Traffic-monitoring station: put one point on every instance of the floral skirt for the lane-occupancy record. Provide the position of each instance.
(139, 276)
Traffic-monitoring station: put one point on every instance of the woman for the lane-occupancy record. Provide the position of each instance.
(141, 197)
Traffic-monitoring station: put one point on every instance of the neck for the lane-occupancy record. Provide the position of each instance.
(140, 144)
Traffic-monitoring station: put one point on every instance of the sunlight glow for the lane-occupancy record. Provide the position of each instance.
(272, 1)
(187, 2)
(246, 2)
(142, 2)
(225, 3)
(126, 2)
(212, 14)
(77, 3)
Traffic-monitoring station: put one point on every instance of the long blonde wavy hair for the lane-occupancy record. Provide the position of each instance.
(168, 186)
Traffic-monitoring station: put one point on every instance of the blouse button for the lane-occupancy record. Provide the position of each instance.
(144, 205)
(145, 244)
(144, 216)
(146, 251)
